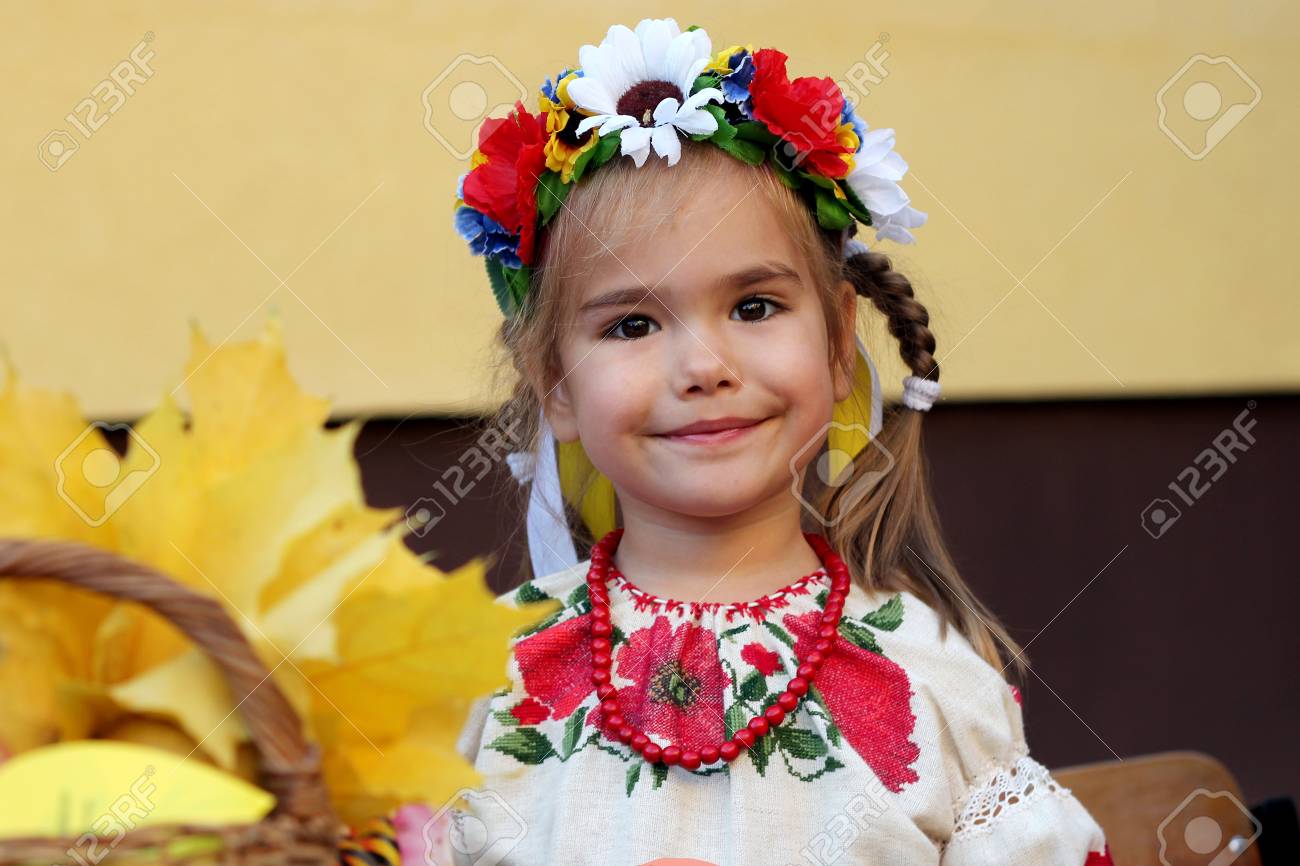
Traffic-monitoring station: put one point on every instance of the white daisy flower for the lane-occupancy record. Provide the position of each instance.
(640, 82)
(874, 179)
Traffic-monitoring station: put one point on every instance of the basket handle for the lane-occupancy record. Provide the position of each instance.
(289, 765)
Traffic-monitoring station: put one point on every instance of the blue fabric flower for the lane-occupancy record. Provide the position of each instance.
(848, 115)
(487, 237)
(549, 87)
(735, 84)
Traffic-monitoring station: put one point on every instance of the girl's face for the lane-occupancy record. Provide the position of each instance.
(733, 332)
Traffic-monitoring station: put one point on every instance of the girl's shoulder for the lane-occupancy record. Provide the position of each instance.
(568, 585)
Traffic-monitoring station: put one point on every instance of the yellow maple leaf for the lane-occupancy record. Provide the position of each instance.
(249, 498)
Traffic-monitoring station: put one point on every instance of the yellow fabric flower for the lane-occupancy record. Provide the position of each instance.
(564, 146)
(720, 63)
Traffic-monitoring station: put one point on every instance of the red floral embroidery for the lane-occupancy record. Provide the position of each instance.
(555, 664)
(761, 657)
(1099, 859)
(756, 610)
(530, 712)
(869, 697)
(677, 684)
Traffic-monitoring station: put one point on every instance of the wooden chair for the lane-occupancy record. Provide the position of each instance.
(1188, 800)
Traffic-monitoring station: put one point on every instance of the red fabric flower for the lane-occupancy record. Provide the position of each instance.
(505, 186)
(529, 711)
(555, 664)
(760, 657)
(869, 697)
(805, 112)
(677, 684)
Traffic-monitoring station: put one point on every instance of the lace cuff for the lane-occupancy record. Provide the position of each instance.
(1010, 789)
(1020, 814)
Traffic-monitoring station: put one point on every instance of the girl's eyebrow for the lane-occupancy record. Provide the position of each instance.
(744, 277)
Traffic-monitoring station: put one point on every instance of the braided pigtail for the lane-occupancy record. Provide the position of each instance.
(893, 534)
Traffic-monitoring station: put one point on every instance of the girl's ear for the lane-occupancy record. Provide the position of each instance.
(558, 405)
(848, 309)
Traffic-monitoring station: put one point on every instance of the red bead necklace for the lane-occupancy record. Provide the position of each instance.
(602, 658)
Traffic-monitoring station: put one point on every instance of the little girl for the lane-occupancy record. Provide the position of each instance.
(756, 665)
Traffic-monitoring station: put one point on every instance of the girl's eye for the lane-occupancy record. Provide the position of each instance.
(630, 328)
(751, 309)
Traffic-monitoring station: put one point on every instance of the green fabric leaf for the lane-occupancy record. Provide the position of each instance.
(633, 773)
(584, 158)
(551, 192)
(500, 288)
(526, 745)
(746, 150)
(854, 204)
(572, 730)
(888, 616)
(517, 281)
(753, 686)
(725, 131)
(818, 180)
(786, 177)
(858, 635)
(800, 743)
(757, 132)
(506, 718)
(606, 148)
(706, 80)
(830, 213)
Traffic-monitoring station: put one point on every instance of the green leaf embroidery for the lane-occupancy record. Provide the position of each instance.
(572, 730)
(578, 596)
(737, 630)
(528, 593)
(858, 635)
(551, 192)
(545, 623)
(760, 752)
(822, 596)
(753, 686)
(661, 773)
(616, 636)
(888, 616)
(735, 718)
(505, 717)
(833, 731)
(800, 742)
(781, 634)
(526, 745)
(633, 773)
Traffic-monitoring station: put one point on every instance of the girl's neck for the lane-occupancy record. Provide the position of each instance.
(738, 557)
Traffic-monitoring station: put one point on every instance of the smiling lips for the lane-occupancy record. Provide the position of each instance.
(716, 430)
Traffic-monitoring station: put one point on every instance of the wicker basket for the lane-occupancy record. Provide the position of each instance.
(302, 829)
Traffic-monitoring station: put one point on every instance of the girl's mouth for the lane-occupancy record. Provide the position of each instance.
(719, 436)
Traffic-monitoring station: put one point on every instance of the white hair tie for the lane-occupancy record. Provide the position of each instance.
(919, 393)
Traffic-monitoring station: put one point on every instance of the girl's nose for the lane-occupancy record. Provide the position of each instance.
(702, 363)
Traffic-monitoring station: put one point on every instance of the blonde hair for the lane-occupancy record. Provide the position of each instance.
(891, 539)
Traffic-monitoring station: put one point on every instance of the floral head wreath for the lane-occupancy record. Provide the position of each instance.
(640, 91)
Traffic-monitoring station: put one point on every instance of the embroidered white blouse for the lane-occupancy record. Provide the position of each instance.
(906, 750)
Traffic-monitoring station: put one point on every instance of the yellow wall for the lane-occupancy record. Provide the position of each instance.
(287, 140)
